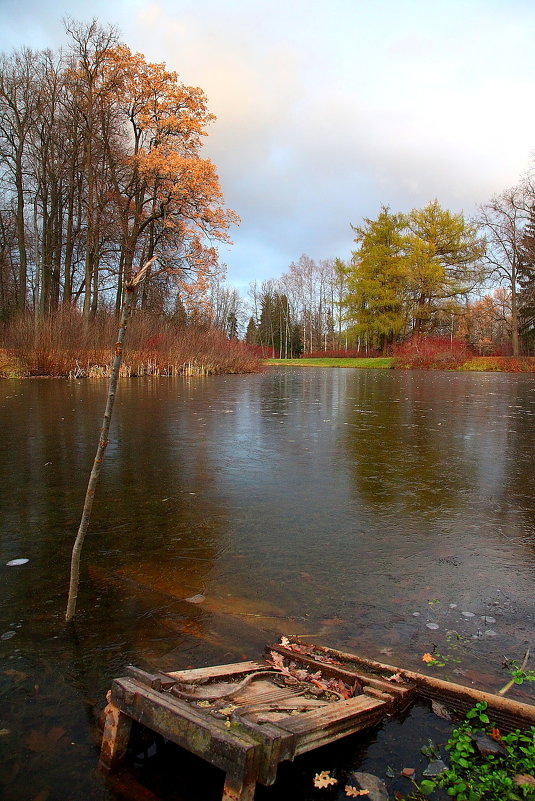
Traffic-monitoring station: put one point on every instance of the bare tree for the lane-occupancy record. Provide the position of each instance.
(503, 220)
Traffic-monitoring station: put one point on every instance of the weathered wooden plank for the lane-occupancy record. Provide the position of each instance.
(332, 714)
(277, 745)
(318, 737)
(116, 736)
(350, 676)
(506, 712)
(217, 671)
(204, 735)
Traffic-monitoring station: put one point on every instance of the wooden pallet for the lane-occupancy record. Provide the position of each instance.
(246, 718)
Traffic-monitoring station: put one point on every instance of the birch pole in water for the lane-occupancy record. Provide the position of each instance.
(130, 290)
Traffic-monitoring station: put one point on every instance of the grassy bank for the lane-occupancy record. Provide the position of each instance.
(488, 364)
(67, 345)
(381, 362)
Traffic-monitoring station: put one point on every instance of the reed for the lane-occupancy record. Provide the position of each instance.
(65, 344)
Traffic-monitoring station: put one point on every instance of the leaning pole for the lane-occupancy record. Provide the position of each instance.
(130, 290)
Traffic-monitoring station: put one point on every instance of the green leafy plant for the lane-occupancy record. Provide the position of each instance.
(507, 775)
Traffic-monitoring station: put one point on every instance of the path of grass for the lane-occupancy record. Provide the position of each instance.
(382, 362)
(477, 363)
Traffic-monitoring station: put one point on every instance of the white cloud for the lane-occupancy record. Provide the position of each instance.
(326, 108)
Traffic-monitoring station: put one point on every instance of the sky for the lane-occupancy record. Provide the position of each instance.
(327, 109)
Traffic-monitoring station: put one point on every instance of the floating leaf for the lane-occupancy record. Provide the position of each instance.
(16, 562)
(324, 779)
(428, 658)
(352, 792)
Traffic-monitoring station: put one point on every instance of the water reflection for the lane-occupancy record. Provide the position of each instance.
(353, 506)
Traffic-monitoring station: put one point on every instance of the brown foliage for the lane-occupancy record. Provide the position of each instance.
(66, 344)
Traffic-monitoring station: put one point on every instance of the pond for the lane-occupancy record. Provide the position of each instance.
(389, 513)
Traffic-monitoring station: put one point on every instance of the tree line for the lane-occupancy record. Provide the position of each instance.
(429, 272)
(101, 168)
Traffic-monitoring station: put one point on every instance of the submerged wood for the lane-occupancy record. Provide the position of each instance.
(248, 717)
(130, 289)
(507, 712)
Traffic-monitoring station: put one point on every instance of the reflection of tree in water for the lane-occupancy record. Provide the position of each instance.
(511, 495)
(399, 441)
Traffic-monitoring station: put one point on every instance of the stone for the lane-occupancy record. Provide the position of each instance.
(367, 781)
(435, 768)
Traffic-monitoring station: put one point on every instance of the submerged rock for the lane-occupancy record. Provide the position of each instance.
(435, 768)
(367, 781)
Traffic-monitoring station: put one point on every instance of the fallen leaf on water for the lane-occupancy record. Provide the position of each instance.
(352, 792)
(408, 772)
(4, 732)
(428, 658)
(324, 779)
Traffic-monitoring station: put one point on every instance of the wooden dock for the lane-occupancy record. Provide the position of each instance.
(248, 717)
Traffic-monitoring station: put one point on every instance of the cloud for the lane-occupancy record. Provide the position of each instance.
(328, 108)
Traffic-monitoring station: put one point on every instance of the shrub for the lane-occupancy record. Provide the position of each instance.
(431, 353)
(65, 344)
(501, 364)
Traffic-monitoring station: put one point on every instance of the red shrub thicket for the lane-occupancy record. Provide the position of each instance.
(431, 353)
(65, 344)
(263, 351)
(341, 354)
(504, 364)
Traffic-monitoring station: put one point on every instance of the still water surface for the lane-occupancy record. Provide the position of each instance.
(391, 513)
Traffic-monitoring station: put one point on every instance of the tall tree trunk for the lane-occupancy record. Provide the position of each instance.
(515, 345)
(21, 235)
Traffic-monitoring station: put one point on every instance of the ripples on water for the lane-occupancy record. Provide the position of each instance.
(361, 508)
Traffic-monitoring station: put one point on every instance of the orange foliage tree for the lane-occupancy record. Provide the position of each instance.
(167, 197)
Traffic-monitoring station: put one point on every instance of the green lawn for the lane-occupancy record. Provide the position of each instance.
(382, 361)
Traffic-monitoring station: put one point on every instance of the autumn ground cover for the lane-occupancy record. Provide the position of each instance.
(424, 353)
(67, 345)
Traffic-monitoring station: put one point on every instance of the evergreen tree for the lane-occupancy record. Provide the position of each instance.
(444, 253)
(232, 326)
(377, 279)
(251, 333)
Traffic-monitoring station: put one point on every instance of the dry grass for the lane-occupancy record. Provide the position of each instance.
(64, 344)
